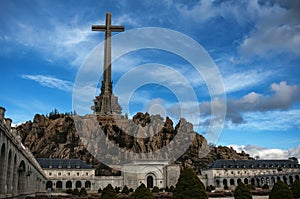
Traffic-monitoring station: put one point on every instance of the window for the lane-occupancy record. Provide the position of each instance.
(50, 173)
(69, 173)
(59, 173)
(78, 174)
(86, 173)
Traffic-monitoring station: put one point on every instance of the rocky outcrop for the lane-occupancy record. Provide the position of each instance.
(120, 139)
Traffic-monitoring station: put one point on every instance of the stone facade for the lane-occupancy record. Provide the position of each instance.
(65, 174)
(256, 172)
(20, 174)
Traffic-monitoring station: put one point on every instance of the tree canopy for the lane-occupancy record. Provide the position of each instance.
(189, 186)
(296, 189)
(109, 193)
(242, 192)
(142, 192)
(280, 191)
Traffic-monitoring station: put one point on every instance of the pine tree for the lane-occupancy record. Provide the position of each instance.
(142, 192)
(242, 192)
(109, 193)
(280, 191)
(125, 190)
(189, 186)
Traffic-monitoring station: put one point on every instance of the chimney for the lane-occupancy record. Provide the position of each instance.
(2, 112)
(8, 123)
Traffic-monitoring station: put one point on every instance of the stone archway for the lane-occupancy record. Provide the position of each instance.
(246, 181)
(87, 184)
(231, 182)
(291, 180)
(253, 181)
(69, 185)
(2, 169)
(49, 185)
(9, 173)
(225, 182)
(22, 177)
(273, 180)
(59, 185)
(150, 181)
(15, 174)
(78, 184)
(285, 180)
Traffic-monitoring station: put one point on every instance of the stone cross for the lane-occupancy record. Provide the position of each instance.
(106, 88)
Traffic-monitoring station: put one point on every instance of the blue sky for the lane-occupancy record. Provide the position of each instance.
(254, 44)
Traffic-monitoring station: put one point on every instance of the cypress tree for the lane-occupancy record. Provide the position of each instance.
(142, 192)
(109, 193)
(280, 191)
(296, 189)
(242, 192)
(189, 186)
(125, 190)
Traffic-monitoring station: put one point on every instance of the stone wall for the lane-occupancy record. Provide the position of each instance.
(19, 171)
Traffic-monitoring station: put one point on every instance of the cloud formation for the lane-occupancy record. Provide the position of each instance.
(268, 153)
(276, 30)
(50, 82)
(282, 98)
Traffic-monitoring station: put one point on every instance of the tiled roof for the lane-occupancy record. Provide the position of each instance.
(63, 164)
(254, 164)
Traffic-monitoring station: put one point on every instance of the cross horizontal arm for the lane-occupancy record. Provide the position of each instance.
(111, 28)
(98, 28)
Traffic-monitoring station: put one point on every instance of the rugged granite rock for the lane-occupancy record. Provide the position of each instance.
(119, 140)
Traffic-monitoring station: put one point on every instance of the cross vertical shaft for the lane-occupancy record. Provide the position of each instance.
(103, 105)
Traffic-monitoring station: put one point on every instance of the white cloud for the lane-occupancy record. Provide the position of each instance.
(259, 108)
(268, 153)
(51, 82)
(276, 30)
(240, 81)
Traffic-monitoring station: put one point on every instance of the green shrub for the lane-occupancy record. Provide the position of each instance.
(75, 192)
(296, 189)
(265, 186)
(250, 187)
(109, 193)
(125, 190)
(167, 189)
(117, 189)
(82, 192)
(172, 188)
(69, 191)
(142, 193)
(189, 186)
(280, 191)
(242, 192)
(155, 189)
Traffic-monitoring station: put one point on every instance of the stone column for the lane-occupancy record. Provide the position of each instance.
(2, 112)
(8, 122)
